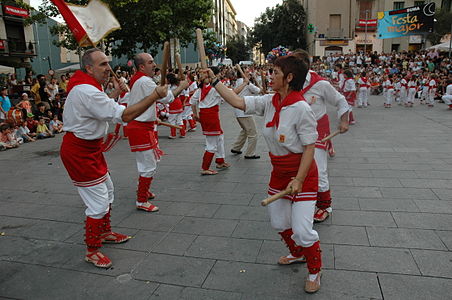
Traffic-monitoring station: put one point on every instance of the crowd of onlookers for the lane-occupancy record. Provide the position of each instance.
(418, 66)
(31, 109)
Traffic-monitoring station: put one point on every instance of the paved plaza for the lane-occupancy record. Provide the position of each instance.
(389, 237)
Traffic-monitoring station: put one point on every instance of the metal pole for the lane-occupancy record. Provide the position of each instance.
(365, 34)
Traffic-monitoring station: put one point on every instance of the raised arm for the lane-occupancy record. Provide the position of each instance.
(228, 95)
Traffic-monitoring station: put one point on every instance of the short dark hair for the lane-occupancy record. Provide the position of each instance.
(138, 60)
(348, 73)
(172, 79)
(296, 66)
(215, 70)
(87, 59)
(303, 55)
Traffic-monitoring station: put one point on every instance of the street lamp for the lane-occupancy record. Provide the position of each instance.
(365, 33)
(48, 60)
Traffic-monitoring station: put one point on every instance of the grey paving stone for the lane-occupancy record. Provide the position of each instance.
(346, 235)
(363, 218)
(396, 287)
(38, 229)
(222, 248)
(255, 230)
(446, 237)
(250, 188)
(394, 174)
(186, 271)
(378, 182)
(443, 194)
(373, 259)
(203, 226)
(190, 209)
(404, 238)
(339, 172)
(66, 284)
(433, 174)
(150, 221)
(423, 220)
(170, 292)
(407, 193)
(356, 192)
(237, 212)
(434, 206)
(388, 204)
(434, 263)
(344, 203)
(174, 243)
(426, 183)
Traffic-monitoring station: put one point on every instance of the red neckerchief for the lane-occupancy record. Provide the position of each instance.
(364, 79)
(80, 77)
(204, 91)
(293, 97)
(314, 79)
(135, 77)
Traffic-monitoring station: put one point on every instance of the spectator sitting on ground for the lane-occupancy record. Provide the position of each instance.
(24, 105)
(31, 123)
(56, 126)
(15, 136)
(42, 130)
(5, 137)
(42, 112)
(25, 133)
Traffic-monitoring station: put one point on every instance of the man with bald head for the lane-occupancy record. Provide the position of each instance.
(141, 130)
(87, 112)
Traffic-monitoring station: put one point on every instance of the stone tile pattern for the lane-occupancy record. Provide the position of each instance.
(390, 234)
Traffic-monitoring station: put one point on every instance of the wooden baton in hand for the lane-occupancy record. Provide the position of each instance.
(202, 52)
(166, 55)
(275, 197)
(327, 138)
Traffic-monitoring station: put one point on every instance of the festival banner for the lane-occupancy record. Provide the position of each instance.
(89, 24)
(406, 21)
(369, 22)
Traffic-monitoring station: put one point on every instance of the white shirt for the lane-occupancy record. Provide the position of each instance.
(142, 88)
(349, 85)
(249, 90)
(449, 89)
(87, 112)
(212, 99)
(324, 93)
(297, 124)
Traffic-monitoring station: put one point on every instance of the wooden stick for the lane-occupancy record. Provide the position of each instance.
(179, 66)
(275, 197)
(327, 138)
(166, 55)
(240, 70)
(202, 52)
(169, 125)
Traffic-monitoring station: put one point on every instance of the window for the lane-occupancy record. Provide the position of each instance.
(399, 4)
(363, 7)
(395, 47)
(419, 3)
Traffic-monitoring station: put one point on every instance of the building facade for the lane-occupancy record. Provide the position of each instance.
(223, 21)
(344, 26)
(17, 43)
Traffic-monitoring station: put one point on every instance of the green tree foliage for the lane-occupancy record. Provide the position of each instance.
(284, 24)
(145, 24)
(237, 49)
(441, 27)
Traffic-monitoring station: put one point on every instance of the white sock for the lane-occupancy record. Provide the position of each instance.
(312, 277)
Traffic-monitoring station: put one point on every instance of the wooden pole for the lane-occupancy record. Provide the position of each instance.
(202, 52)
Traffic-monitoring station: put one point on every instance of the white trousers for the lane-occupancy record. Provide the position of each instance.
(97, 198)
(390, 96)
(215, 144)
(424, 94)
(447, 99)
(186, 115)
(175, 119)
(363, 96)
(321, 159)
(431, 96)
(146, 163)
(411, 94)
(299, 216)
(403, 95)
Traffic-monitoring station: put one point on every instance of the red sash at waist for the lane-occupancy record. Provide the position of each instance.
(176, 107)
(286, 167)
(210, 121)
(83, 160)
(141, 136)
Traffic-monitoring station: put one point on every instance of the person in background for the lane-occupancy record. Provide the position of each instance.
(5, 104)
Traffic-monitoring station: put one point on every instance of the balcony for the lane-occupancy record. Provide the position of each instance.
(17, 47)
(335, 33)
